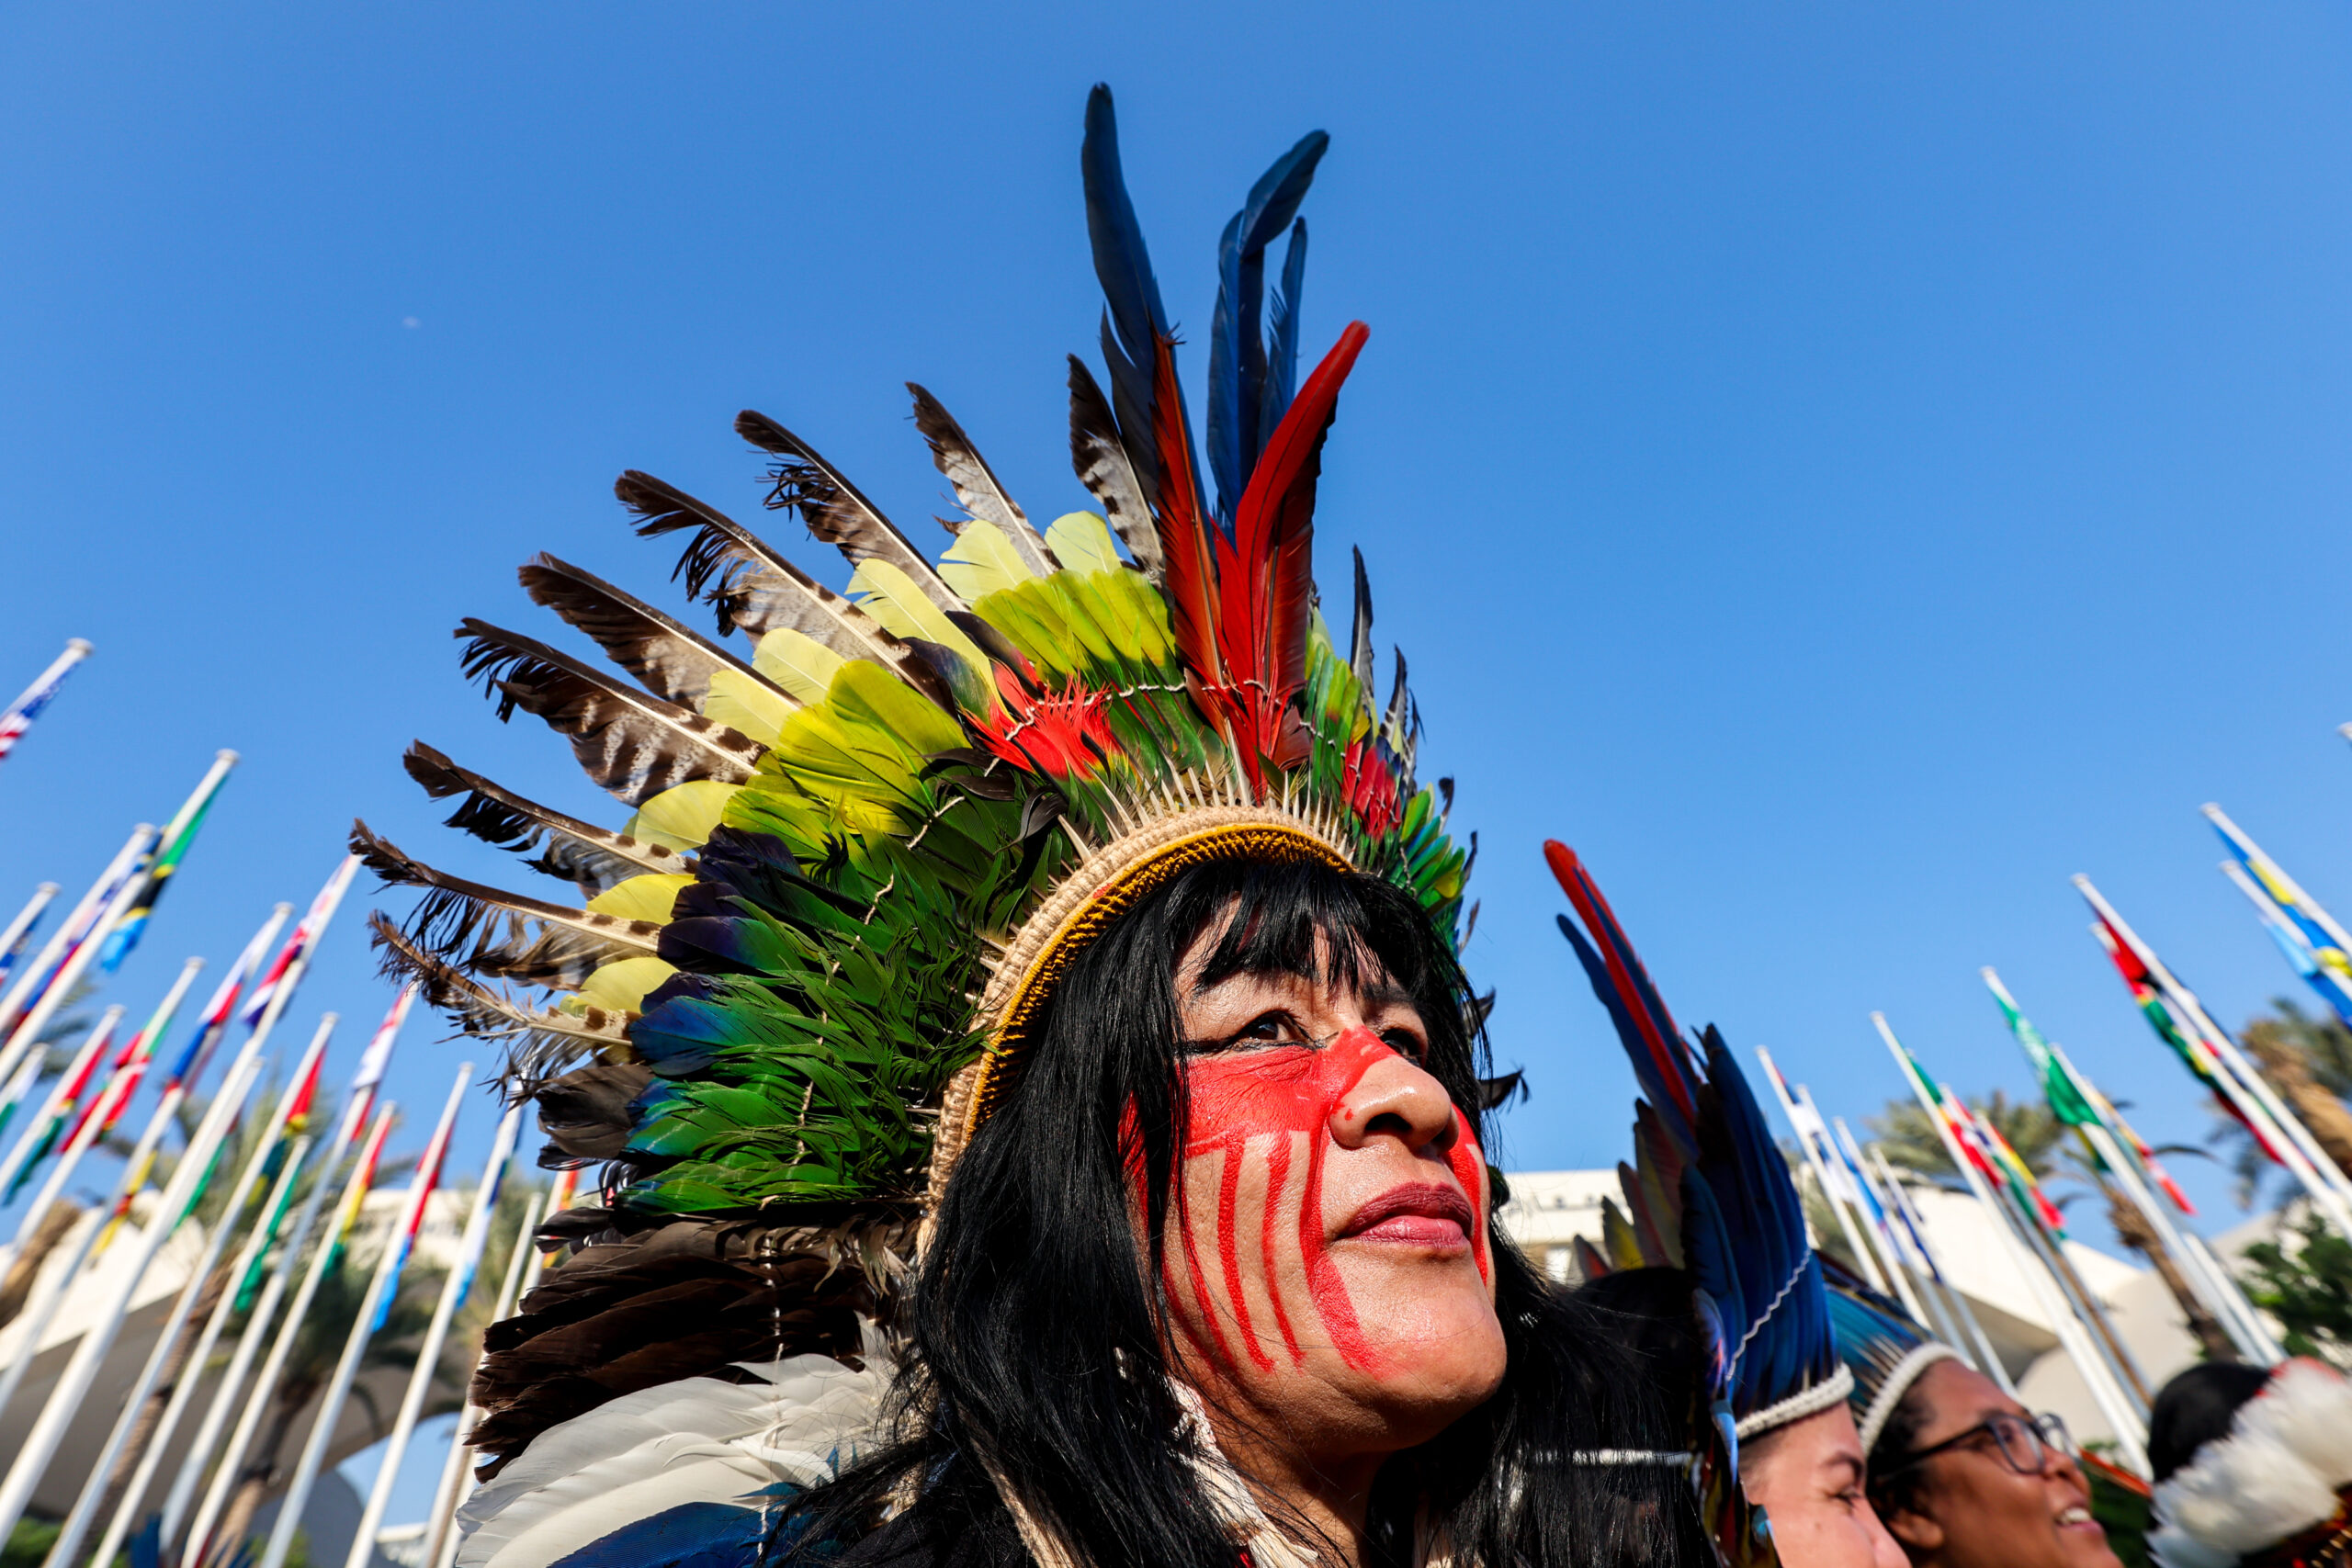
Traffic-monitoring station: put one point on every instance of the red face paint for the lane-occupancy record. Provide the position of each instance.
(1254, 1112)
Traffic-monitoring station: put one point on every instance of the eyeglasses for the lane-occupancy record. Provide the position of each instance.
(2025, 1442)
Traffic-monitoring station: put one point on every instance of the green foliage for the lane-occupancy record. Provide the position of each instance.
(1910, 1142)
(28, 1543)
(2326, 1048)
(2304, 1278)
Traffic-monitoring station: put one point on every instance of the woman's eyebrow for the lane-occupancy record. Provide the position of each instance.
(1386, 993)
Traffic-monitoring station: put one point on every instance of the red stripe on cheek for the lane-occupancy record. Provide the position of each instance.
(1277, 1179)
(1228, 1243)
(1469, 1164)
(1324, 1286)
(1199, 1285)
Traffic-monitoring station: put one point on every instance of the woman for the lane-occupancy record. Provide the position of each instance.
(1254, 1085)
(1034, 970)
(1966, 1477)
(2254, 1466)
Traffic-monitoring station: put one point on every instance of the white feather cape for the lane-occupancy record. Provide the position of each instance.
(2276, 1475)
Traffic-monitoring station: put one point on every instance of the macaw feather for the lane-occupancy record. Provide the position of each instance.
(798, 663)
(982, 560)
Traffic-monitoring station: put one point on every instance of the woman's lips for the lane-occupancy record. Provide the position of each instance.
(1420, 1214)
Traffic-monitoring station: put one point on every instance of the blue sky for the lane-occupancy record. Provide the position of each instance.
(1842, 467)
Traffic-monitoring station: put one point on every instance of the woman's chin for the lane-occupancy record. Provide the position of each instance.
(1433, 1342)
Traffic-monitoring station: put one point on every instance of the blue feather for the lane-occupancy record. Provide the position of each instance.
(692, 1535)
(1134, 320)
(1237, 363)
(1282, 326)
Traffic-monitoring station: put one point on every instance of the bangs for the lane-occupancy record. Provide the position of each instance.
(1310, 922)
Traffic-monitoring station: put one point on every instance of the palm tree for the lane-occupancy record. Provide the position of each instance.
(2309, 1061)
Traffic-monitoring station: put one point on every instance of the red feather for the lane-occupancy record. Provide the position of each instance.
(1658, 1033)
(1191, 580)
(1267, 578)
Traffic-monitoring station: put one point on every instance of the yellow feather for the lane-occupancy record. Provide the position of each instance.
(682, 818)
(798, 663)
(621, 985)
(646, 897)
(1082, 542)
(889, 595)
(981, 562)
(745, 705)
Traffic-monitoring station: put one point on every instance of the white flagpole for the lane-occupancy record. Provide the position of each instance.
(1820, 1173)
(23, 924)
(25, 991)
(83, 952)
(73, 1386)
(457, 1477)
(1849, 1155)
(192, 1371)
(428, 1355)
(184, 1390)
(233, 1456)
(2131, 1436)
(18, 716)
(17, 1087)
(1987, 1360)
(363, 1328)
(94, 1486)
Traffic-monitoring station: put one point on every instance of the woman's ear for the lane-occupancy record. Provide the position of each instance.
(1920, 1536)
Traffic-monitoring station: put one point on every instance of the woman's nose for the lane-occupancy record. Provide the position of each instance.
(1394, 1096)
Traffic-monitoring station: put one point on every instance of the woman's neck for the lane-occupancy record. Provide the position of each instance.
(1324, 1499)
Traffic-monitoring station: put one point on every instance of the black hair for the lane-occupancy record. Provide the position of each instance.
(2196, 1408)
(1038, 1345)
(1896, 1491)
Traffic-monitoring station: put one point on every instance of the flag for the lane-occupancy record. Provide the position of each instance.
(355, 1194)
(19, 934)
(18, 716)
(137, 1052)
(222, 1007)
(2066, 1102)
(373, 1061)
(286, 968)
(12, 1093)
(178, 838)
(494, 1180)
(2308, 935)
(420, 1193)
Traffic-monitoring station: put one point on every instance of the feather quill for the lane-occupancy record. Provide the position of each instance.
(1108, 471)
(758, 590)
(834, 509)
(629, 742)
(667, 659)
(566, 848)
(510, 936)
(1238, 429)
(977, 487)
(538, 1040)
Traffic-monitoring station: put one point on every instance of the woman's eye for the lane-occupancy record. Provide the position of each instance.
(1266, 1029)
(1404, 1043)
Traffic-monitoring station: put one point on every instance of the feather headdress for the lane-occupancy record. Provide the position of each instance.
(1708, 1193)
(869, 834)
(1885, 1352)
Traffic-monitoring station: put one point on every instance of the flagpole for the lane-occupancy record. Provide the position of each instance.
(20, 929)
(73, 1386)
(2063, 1321)
(18, 716)
(363, 1328)
(62, 1097)
(1881, 1234)
(34, 999)
(456, 1481)
(1862, 1256)
(233, 1456)
(101, 1475)
(1915, 1223)
(2270, 871)
(294, 1104)
(2293, 942)
(14, 1093)
(2319, 1175)
(428, 1355)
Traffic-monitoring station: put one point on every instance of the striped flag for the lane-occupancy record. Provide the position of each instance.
(214, 1021)
(43, 1136)
(178, 838)
(2318, 949)
(18, 716)
(420, 1194)
(374, 1060)
(19, 934)
(130, 1066)
(297, 951)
